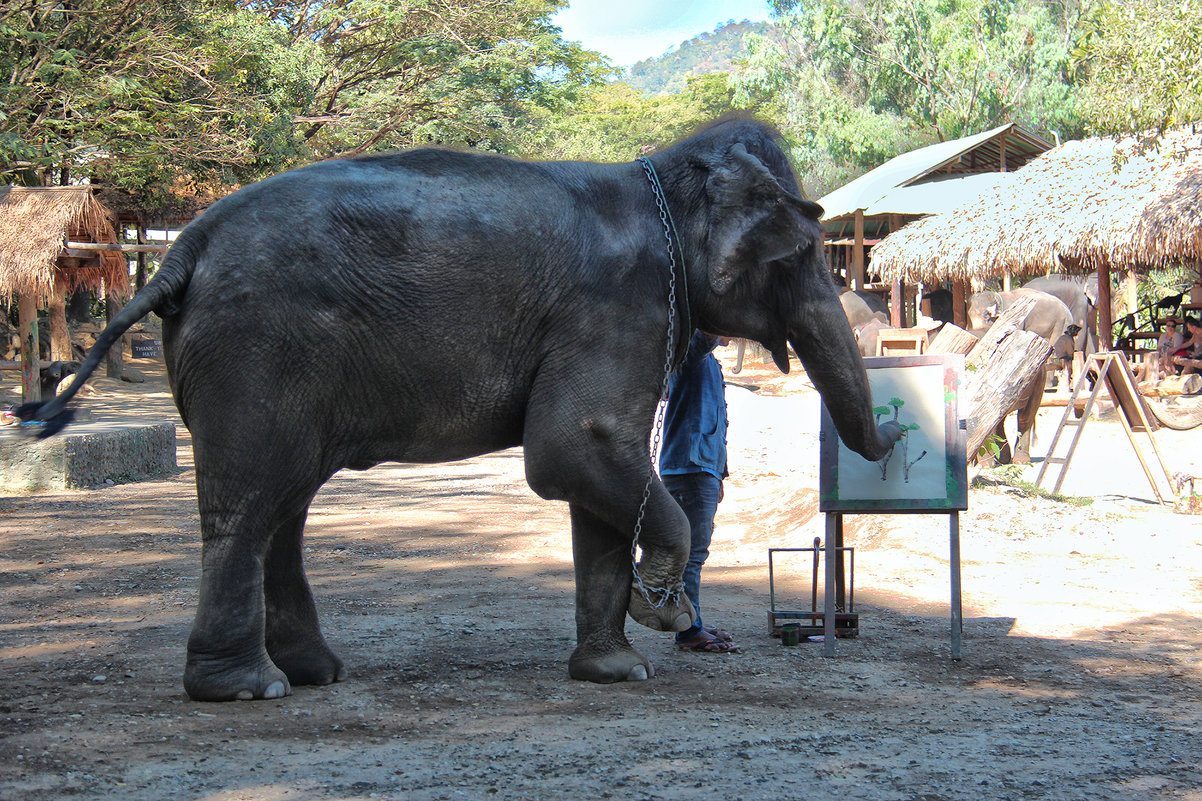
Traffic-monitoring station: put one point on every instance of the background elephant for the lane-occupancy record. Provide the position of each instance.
(548, 290)
(1080, 294)
(1050, 319)
(861, 307)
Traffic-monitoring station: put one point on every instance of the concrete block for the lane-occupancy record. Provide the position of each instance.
(85, 456)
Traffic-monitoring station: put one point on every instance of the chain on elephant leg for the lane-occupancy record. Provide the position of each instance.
(657, 598)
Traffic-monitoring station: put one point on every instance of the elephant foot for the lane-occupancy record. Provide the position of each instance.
(308, 663)
(674, 615)
(624, 664)
(218, 680)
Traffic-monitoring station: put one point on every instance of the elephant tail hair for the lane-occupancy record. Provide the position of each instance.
(162, 294)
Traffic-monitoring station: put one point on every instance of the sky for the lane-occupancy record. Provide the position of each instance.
(632, 30)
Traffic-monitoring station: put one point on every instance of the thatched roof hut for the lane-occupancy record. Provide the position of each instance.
(35, 225)
(1094, 204)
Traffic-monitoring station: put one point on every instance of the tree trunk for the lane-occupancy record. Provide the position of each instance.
(113, 360)
(998, 369)
(27, 321)
(60, 333)
(952, 339)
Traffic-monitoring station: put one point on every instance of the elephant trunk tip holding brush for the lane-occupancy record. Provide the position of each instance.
(559, 293)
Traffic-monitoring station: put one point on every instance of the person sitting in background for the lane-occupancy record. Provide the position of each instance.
(1191, 349)
(1170, 340)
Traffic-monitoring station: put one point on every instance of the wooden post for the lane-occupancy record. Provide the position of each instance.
(959, 303)
(858, 256)
(1105, 323)
(60, 333)
(897, 300)
(31, 368)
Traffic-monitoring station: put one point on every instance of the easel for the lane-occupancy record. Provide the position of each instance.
(834, 542)
(1133, 413)
(850, 485)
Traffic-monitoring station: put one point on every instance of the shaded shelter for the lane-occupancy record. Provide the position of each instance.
(930, 180)
(53, 240)
(1096, 204)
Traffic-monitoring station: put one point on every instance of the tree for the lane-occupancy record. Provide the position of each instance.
(617, 122)
(388, 74)
(142, 94)
(1140, 66)
(951, 67)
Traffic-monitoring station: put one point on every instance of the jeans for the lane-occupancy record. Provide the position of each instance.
(697, 494)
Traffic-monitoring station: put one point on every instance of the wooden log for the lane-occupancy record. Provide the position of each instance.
(998, 369)
(952, 339)
(31, 379)
(1175, 385)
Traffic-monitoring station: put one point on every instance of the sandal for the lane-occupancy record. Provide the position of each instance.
(718, 634)
(706, 643)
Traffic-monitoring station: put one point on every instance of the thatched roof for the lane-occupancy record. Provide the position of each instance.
(1080, 206)
(36, 223)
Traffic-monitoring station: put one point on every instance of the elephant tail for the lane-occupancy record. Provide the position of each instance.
(162, 294)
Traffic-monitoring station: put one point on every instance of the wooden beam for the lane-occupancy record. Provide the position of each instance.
(31, 369)
(857, 259)
(94, 247)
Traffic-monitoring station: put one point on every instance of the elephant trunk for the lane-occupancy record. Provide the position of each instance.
(823, 341)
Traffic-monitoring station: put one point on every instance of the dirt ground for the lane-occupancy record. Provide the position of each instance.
(448, 591)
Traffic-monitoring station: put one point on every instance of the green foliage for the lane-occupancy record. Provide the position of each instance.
(618, 123)
(140, 94)
(1009, 477)
(387, 74)
(717, 51)
(180, 94)
(1140, 65)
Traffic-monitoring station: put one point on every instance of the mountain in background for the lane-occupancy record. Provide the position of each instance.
(709, 52)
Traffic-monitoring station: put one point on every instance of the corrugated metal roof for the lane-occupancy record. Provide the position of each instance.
(938, 196)
(970, 155)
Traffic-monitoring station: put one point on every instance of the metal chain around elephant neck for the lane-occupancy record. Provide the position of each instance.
(665, 594)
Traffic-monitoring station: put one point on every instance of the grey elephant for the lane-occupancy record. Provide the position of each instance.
(473, 303)
(1080, 294)
(861, 307)
(1050, 319)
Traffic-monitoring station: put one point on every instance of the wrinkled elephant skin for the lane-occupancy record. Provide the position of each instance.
(433, 305)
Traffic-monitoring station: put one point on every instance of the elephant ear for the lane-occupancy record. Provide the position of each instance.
(753, 218)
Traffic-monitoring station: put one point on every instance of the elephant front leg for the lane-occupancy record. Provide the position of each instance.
(603, 586)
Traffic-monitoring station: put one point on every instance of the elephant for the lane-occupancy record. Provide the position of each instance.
(1050, 319)
(1080, 294)
(432, 305)
(861, 306)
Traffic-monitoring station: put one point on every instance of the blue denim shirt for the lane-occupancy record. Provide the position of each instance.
(695, 421)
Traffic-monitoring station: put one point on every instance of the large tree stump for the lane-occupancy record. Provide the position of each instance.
(952, 339)
(998, 369)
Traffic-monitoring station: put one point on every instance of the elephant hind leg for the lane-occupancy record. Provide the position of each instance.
(252, 502)
(293, 636)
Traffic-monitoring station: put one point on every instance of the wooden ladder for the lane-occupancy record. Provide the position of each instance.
(1115, 375)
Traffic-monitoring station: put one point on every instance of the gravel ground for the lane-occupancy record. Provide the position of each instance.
(448, 590)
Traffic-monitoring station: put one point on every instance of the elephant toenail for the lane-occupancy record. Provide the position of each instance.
(274, 690)
(245, 695)
(637, 673)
